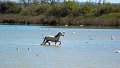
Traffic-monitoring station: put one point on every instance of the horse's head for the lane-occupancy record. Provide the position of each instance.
(59, 34)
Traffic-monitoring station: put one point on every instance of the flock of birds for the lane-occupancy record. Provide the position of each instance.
(111, 37)
(27, 49)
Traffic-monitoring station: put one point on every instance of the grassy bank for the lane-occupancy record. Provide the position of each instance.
(68, 13)
(52, 21)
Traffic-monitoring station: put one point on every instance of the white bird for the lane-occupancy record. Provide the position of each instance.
(66, 25)
(117, 51)
(73, 32)
(90, 37)
(29, 49)
(18, 49)
(81, 25)
(42, 36)
(111, 37)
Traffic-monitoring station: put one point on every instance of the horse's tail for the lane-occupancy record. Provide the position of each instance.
(42, 36)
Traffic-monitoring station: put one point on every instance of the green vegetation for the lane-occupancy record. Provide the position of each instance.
(67, 13)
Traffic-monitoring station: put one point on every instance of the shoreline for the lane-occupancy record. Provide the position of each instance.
(85, 27)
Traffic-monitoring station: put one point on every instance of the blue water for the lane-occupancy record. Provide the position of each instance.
(87, 48)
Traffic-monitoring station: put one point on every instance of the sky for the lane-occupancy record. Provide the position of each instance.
(111, 1)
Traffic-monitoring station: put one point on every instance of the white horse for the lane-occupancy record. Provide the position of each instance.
(52, 39)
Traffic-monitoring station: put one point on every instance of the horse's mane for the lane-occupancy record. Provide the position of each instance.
(57, 35)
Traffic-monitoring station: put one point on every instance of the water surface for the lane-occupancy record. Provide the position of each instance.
(87, 48)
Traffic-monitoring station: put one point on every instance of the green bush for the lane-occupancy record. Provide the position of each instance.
(43, 9)
(10, 8)
(104, 9)
(29, 11)
(67, 13)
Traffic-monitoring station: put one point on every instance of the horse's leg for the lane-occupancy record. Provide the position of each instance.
(43, 41)
(60, 42)
(55, 43)
(47, 41)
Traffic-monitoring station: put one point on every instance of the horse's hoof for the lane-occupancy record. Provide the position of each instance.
(40, 44)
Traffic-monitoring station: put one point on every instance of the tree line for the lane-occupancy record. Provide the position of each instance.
(59, 14)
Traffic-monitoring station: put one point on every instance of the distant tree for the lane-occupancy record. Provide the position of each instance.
(56, 10)
(104, 9)
(43, 9)
(10, 7)
(86, 8)
(26, 3)
(30, 10)
(14, 9)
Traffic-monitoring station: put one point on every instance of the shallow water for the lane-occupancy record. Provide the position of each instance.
(86, 48)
